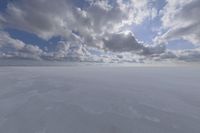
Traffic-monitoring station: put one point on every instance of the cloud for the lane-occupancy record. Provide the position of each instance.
(91, 20)
(126, 42)
(192, 55)
(68, 51)
(187, 55)
(94, 30)
(131, 51)
(14, 48)
(80, 24)
(180, 21)
(121, 42)
(11, 48)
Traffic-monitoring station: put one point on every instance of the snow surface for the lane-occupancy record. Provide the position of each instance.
(91, 99)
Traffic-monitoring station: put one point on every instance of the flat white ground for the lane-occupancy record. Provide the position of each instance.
(99, 99)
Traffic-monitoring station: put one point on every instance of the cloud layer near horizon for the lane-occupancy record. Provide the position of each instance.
(95, 30)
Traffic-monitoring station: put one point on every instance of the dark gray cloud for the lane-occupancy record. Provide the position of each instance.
(192, 55)
(126, 42)
(189, 55)
(121, 42)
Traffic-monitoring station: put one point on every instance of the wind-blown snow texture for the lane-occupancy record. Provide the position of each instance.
(99, 99)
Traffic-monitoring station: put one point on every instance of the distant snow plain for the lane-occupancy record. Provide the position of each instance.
(100, 99)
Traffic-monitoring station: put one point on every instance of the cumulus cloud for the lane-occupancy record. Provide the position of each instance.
(67, 51)
(14, 48)
(11, 48)
(180, 20)
(81, 24)
(94, 30)
(129, 50)
(121, 42)
(90, 19)
(126, 42)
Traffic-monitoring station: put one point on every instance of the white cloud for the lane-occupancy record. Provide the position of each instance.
(180, 20)
(91, 20)
(14, 48)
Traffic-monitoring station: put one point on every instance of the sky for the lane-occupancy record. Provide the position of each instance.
(135, 31)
